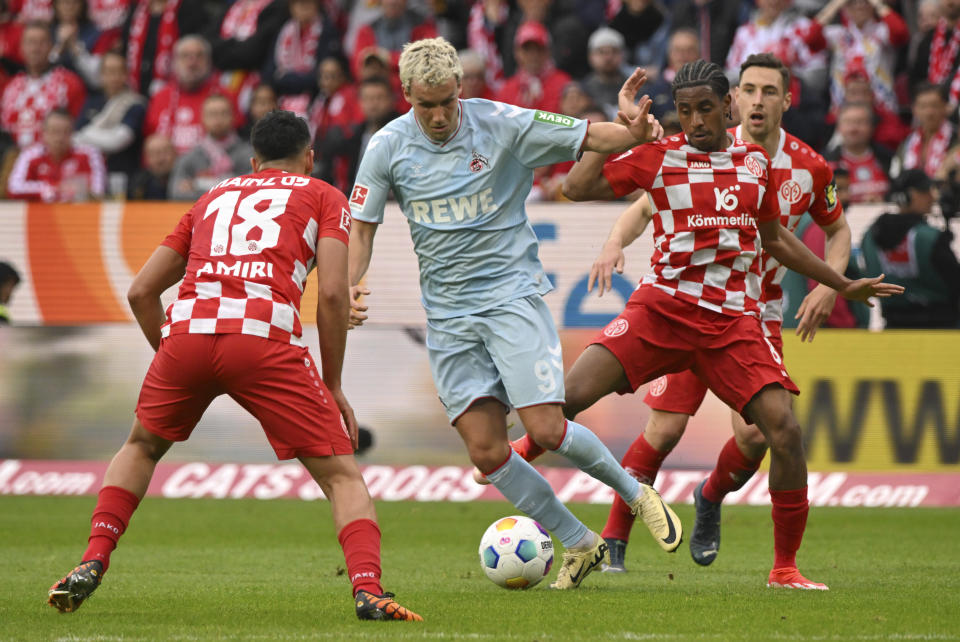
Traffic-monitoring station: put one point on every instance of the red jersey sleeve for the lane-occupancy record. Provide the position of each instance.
(769, 205)
(825, 207)
(334, 215)
(636, 167)
(179, 240)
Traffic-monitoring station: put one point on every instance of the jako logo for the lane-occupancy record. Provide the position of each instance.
(726, 199)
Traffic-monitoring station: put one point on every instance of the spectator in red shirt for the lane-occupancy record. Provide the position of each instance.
(37, 90)
(175, 110)
(336, 105)
(55, 170)
(538, 84)
(865, 163)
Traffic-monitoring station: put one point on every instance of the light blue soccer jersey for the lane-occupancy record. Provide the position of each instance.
(464, 200)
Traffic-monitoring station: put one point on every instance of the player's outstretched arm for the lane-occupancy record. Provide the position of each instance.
(628, 131)
(585, 180)
(163, 269)
(361, 249)
(333, 315)
(792, 253)
(630, 225)
(817, 306)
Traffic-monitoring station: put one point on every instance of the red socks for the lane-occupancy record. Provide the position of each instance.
(789, 512)
(643, 462)
(115, 506)
(732, 471)
(360, 541)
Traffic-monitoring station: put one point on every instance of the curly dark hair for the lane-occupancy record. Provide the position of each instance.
(279, 135)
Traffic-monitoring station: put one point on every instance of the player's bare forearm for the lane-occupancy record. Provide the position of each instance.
(632, 222)
(817, 306)
(361, 249)
(585, 180)
(333, 308)
(792, 253)
(163, 269)
(837, 250)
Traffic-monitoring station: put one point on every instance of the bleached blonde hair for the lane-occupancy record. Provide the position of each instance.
(432, 61)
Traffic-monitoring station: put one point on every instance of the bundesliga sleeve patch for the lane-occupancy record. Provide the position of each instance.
(830, 193)
(358, 198)
(553, 119)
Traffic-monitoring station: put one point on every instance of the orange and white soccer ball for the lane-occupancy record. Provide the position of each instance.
(516, 552)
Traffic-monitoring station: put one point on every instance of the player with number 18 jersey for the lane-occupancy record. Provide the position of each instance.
(249, 244)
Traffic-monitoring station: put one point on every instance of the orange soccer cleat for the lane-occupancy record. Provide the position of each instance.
(791, 578)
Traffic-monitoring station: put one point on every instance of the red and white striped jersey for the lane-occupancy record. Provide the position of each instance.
(706, 209)
(37, 176)
(250, 243)
(784, 38)
(28, 99)
(805, 185)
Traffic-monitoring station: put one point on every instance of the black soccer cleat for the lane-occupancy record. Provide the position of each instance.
(382, 607)
(618, 551)
(69, 593)
(705, 540)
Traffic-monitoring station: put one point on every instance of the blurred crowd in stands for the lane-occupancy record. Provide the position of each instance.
(154, 99)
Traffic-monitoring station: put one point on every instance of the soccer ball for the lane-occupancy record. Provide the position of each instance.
(516, 552)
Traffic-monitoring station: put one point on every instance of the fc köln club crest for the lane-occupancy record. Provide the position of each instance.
(478, 162)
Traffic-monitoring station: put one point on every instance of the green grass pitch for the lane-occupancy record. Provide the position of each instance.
(272, 570)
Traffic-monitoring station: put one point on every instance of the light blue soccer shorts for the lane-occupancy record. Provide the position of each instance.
(510, 352)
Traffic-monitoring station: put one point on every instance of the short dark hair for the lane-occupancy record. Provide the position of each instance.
(767, 61)
(377, 81)
(8, 273)
(701, 72)
(929, 87)
(278, 135)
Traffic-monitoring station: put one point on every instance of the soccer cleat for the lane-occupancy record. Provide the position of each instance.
(705, 540)
(69, 593)
(790, 578)
(618, 550)
(382, 607)
(663, 523)
(577, 564)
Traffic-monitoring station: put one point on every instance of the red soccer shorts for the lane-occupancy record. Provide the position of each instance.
(658, 334)
(276, 382)
(683, 392)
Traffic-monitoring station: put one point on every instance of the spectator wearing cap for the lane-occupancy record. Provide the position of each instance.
(916, 255)
(865, 163)
(869, 35)
(38, 89)
(537, 84)
(396, 26)
(607, 73)
(933, 135)
(889, 130)
(55, 170)
(645, 26)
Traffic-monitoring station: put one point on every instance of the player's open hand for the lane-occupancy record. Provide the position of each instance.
(601, 272)
(627, 96)
(357, 308)
(863, 289)
(814, 310)
(643, 126)
(346, 411)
